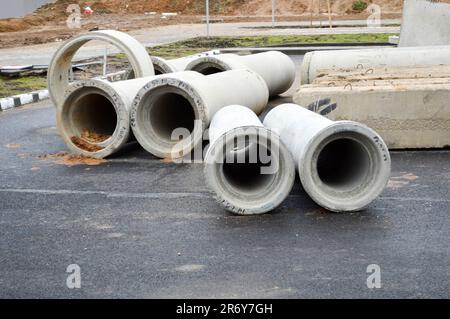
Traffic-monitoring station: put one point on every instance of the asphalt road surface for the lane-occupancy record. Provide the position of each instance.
(139, 227)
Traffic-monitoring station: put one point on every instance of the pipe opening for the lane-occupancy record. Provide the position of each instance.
(245, 173)
(343, 163)
(93, 113)
(168, 112)
(158, 70)
(208, 68)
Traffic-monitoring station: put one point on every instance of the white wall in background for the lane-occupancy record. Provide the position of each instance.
(19, 8)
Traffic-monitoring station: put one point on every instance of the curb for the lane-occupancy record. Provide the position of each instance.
(22, 99)
(36, 96)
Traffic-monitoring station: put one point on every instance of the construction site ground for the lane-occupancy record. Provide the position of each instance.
(141, 227)
(48, 24)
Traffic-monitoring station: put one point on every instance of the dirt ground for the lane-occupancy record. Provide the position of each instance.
(48, 24)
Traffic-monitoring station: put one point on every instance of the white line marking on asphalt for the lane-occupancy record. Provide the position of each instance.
(170, 195)
(107, 194)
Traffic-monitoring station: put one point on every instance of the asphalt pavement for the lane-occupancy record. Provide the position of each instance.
(140, 227)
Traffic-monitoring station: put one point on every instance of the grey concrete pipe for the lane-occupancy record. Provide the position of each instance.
(163, 66)
(58, 72)
(247, 167)
(94, 119)
(276, 68)
(342, 165)
(314, 62)
(182, 104)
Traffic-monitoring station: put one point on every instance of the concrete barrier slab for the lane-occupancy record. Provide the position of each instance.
(408, 112)
(425, 23)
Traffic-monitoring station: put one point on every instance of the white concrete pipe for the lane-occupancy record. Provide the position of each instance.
(94, 119)
(58, 72)
(247, 166)
(314, 62)
(276, 68)
(187, 101)
(342, 165)
(163, 66)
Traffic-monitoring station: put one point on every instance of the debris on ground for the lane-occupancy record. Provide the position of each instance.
(12, 145)
(94, 137)
(63, 158)
(85, 145)
(167, 160)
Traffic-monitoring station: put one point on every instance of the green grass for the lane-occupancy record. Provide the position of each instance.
(13, 86)
(196, 45)
(359, 6)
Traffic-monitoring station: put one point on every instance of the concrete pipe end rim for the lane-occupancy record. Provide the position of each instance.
(253, 186)
(168, 118)
(93, 120)
(208, 65)
(58, 75)
(161, 66)
(305, 67)
(346, 166)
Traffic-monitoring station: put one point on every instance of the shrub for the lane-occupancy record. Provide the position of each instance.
(359, 6)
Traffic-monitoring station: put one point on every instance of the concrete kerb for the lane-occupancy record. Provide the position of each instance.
(37, 96)
(23, 99)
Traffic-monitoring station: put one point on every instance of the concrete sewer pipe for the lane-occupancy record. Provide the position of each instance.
(94, 119)
(163, 66)
(343, 165)
(58, 72)
(171, 112)
(247, 166)
(317, 61)
(276, 68)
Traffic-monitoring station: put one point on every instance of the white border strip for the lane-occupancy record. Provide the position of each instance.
(23, 99)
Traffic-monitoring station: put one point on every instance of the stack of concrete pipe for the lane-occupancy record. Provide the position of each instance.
(343, 165)
(250, 166)
(163, 66)
(153, 105)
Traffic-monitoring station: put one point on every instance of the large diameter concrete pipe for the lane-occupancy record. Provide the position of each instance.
(58, 72)
(314, 62)
(163, 66)
(171, 112)
(247, 166)
(342, 165)
(94, 119)
(276, 68)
